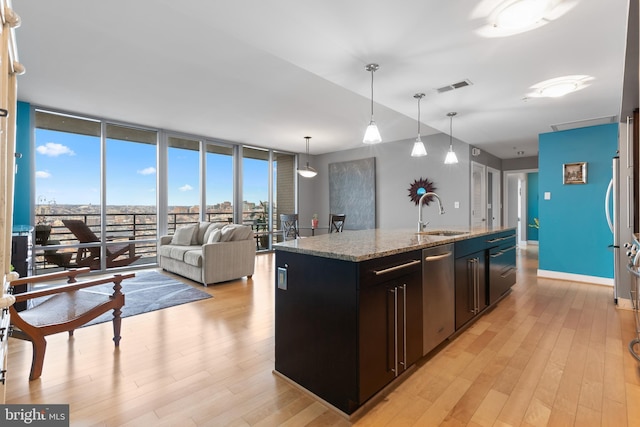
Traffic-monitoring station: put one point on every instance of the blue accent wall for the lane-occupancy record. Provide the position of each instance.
(574, 235)
(532, 205)
(24, 177)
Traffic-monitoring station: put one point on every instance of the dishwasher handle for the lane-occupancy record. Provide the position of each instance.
(438, 257)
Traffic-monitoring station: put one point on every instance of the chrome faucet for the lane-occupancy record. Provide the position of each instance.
(422, 225)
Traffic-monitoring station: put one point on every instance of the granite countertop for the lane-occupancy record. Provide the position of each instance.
(361, 245)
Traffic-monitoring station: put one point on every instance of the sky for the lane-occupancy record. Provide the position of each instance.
(68, 172)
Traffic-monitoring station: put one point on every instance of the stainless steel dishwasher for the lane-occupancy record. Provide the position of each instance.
(438, 296)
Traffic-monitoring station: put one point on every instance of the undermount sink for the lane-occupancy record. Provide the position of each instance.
(448, 233)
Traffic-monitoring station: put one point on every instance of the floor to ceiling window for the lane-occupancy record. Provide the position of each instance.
(67, 185)
(219, 183)
(119, 181)
(255, 192)
(284, 191)
(130, 178)
(183, 189)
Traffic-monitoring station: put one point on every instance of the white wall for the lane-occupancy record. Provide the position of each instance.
(395, 171)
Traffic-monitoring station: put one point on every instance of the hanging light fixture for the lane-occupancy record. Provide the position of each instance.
(372, 135)
(307, 171)
(451, 155)
(418, 146)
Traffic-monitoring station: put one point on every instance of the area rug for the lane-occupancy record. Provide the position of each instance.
(148, 291)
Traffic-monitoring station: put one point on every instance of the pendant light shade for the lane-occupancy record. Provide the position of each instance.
(307, 171)
(372, 135)
(451, 155)
(418, 147)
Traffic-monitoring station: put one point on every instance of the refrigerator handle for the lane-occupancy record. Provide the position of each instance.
(607, 211)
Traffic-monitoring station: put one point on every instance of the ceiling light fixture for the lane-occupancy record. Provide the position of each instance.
(560, 86)
(307, 171)
(418, 147)
(372, 135)
(520, 14)
(451, 155)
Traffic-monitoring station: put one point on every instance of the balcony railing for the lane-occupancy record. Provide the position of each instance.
(139, 227)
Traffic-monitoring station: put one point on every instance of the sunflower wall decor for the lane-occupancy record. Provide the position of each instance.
(418, 188)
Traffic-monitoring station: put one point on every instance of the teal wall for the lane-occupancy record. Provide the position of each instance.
(574, 235)
(532, 205)
(24, 176)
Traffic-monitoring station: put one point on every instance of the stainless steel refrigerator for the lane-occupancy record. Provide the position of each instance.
(619, 214)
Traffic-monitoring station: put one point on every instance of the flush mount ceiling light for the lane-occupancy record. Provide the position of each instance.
(560, 86)
(451, 158)
(511, 17)
(307, 171)
(372, 135)
(418, 146)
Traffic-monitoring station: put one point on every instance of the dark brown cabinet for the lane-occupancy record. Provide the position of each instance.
(470, 278)
(390, 332)
(502, 264)
(344, 330)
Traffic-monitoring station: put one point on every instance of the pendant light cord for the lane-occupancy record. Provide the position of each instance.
(372, 71)
(419, 98)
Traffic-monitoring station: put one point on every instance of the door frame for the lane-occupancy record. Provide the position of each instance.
(522, 203)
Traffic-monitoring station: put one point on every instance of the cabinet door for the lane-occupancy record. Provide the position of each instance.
(390, 331)
(377, 338)
(471, 292)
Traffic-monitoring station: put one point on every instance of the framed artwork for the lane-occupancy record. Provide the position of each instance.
(574, 173)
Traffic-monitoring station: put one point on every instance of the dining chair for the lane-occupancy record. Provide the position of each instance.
(336, 222)
(289, 225)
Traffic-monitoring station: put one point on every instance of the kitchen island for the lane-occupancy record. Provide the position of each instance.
(349, 306)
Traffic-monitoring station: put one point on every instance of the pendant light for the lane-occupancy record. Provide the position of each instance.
(372, 135)
(418, 147)
(451, 155)
(307, 171)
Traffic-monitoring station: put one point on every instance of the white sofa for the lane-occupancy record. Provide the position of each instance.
(209, 252)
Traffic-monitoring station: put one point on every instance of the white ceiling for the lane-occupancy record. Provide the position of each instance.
(267, 73)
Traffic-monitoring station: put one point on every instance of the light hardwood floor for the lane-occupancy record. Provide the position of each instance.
(551, 353)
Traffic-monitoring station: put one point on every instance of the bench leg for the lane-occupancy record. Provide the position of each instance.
(117, 322)
(39, 347)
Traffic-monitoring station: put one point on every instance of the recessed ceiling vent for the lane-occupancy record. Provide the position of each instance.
(453, 86)
(583, 123)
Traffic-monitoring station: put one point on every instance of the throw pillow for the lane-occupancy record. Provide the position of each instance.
(227, 232)
(213, 226)
(198, 236)
(183, 235)
(242, 232)
(214, 236)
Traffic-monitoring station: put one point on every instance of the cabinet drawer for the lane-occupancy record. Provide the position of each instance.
(380, 270)
(502, 239)
(469, 246)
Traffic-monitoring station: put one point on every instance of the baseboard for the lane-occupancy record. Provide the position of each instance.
(575, 277)
(532, 242)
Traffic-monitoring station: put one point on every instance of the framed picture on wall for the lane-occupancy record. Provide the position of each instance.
(574, 173)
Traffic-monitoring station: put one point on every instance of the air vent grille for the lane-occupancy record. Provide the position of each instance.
(458, 85)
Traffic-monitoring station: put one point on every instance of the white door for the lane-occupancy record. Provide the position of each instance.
(478, 195)
(494, 207)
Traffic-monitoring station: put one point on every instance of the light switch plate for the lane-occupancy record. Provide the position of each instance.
(547, 195)
(456, 205)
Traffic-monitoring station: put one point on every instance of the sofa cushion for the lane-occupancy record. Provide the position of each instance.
(198, 236)
(214, 236)
(193, 257)
(212, 227)
(232, 232)
(183, 235)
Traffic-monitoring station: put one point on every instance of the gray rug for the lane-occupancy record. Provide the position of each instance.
(148, 291)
